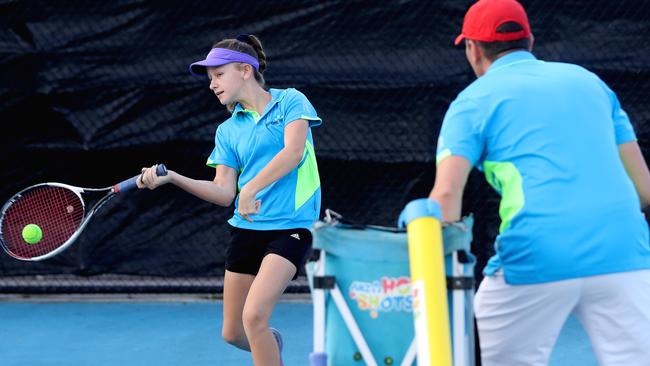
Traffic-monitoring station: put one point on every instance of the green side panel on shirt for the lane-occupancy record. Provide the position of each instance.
(505, 179)
(241, 170)
(308, 178)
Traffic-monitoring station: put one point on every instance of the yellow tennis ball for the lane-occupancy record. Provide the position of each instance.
(32, 234)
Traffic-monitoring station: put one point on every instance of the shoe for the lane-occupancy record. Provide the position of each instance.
(278, 339)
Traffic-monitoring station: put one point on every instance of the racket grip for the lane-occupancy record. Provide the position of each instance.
(131, 184)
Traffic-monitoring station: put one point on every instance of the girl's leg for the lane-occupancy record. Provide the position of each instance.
(235, 290)
(272, 279)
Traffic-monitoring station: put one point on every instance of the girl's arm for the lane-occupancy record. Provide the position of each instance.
(221, 191)
(295, 135)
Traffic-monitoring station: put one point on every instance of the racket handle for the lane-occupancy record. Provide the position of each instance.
(130, 183)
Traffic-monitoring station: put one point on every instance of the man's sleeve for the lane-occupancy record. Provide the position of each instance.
(461, 133)
(623, 129)
(223, 153)
(299, 107)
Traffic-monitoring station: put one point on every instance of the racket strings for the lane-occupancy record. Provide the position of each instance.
(56, 210)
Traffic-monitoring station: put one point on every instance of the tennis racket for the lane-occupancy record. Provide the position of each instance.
(41, 221)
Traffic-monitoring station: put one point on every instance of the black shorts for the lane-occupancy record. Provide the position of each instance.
(247, 248)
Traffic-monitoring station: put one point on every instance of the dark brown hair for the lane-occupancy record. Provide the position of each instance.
(251, 45)
(493, 49)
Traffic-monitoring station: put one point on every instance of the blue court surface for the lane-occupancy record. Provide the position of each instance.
(168, 333)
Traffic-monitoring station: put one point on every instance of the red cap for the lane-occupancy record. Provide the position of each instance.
(485, 16)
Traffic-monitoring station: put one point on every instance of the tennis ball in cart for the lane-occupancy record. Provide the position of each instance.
(32, 234)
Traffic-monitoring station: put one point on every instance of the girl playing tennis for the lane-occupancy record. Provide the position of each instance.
(265, 152)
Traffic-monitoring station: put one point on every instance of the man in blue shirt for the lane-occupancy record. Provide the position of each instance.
(553, 141)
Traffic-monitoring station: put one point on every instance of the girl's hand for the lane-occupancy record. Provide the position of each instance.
(149, 178)
(247, 205)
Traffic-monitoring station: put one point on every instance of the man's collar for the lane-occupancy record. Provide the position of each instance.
(510, 58)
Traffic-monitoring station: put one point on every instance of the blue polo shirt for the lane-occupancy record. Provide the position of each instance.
(248, 141)
(545, 134)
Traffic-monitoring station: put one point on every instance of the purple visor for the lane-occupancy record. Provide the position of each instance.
(222, 56)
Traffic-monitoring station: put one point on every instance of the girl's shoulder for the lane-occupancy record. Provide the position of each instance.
(227, 125)
(288, 93)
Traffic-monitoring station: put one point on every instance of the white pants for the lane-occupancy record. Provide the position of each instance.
(518, 325)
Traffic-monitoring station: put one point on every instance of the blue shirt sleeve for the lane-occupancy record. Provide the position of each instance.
(223, 152)
(297, 106)
(623, 129)
(461, 133)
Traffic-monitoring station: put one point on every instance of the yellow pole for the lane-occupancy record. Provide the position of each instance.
(430, 311)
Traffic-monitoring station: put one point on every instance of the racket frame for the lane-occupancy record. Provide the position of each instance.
(126, 185)
(87, 214)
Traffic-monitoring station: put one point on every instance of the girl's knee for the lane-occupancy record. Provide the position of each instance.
(230, 337)
(255, 319)
(233, 335)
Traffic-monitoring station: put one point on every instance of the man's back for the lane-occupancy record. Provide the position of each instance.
(553, 140)
(547, 136)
